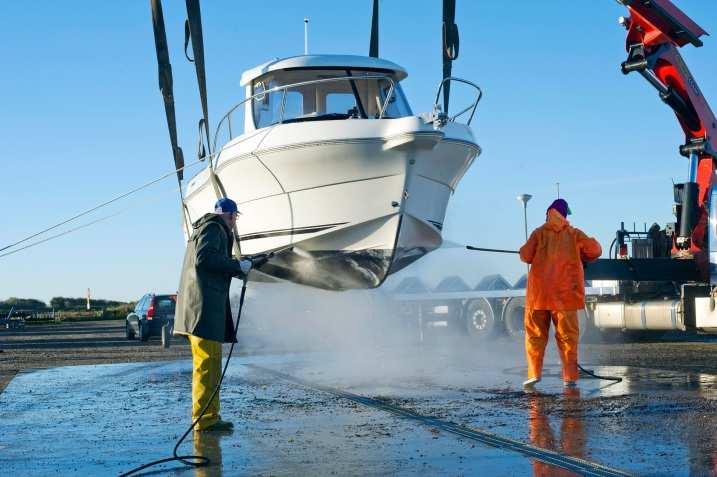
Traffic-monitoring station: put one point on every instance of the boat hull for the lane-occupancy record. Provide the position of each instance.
(342, 203)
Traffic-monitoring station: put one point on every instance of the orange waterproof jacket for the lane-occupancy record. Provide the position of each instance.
(556, 252)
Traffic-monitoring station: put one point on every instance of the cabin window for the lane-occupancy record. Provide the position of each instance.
(332, 99)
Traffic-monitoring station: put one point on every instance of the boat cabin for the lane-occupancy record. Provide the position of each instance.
(323, 87)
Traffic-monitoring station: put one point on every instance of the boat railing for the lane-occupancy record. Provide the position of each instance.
(226, 120)
(471, 107)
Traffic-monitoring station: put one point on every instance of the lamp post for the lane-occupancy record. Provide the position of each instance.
(524, 198)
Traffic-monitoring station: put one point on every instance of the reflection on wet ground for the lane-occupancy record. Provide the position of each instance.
(570, 438)
(105, 419)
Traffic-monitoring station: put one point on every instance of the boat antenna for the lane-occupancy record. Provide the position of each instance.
(306, 35)
(167, 89)
(449, 46)
(373, 46)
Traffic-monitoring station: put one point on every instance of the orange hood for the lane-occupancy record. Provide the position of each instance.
(556, 221)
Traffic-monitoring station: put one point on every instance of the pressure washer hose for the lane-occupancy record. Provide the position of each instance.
(615, 379)
(198, 460)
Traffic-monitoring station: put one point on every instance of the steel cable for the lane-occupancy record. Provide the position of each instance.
(101, 205)
(33, 244)
(67, 232)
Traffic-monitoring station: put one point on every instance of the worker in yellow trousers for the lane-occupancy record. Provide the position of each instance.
(203, 313)
(556, 252)
(206, 366)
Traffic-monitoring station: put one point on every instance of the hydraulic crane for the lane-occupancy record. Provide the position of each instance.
(656, 279)
(671, 274)
(655, 31)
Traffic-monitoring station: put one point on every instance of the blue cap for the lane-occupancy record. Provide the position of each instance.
(225, 206)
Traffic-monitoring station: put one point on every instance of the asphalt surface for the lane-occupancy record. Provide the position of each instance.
(659, 421)
(77, 343)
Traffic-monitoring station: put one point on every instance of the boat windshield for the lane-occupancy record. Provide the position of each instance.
(339, 99)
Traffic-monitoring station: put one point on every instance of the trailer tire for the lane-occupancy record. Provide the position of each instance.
(479, 319)
(514, 317)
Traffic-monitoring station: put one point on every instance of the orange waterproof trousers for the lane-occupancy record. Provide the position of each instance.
(537, 326)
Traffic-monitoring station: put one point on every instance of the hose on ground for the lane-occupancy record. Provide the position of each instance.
(615, 379)
(197, 460)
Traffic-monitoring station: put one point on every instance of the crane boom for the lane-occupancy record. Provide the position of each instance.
(656, 29)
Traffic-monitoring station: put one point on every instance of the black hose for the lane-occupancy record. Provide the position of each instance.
(497, 250)
(614, 241)
(197, 460)
(596, 376)
(520, 370)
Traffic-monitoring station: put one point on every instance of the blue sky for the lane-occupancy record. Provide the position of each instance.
(83, 120)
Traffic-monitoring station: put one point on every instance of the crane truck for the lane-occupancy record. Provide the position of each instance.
(661, 278)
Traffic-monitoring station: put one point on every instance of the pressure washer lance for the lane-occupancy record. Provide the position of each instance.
(199, 460)
(615, 379)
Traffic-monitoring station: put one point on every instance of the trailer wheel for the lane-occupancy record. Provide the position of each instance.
(479, 319)
(514, 317)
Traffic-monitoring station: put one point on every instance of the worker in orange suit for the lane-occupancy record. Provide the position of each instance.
(556, 290)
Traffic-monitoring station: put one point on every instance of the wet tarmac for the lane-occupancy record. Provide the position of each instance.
(428, 413)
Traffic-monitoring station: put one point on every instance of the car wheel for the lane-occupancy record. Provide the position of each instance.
(143, 332)
(128, 331)
(514, 317)
(479, 319)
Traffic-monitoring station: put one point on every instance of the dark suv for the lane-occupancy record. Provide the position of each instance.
(150, 315)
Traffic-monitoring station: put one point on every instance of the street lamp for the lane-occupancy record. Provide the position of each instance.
(524, 198)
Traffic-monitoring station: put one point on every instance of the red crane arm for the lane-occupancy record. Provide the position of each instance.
(656, 29)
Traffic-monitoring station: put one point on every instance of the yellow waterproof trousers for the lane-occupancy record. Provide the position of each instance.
(537, 326)
(207, 369)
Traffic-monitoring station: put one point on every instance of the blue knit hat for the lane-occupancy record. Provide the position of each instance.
(225, 206)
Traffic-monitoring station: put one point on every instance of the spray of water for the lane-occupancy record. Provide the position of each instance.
(363, 338)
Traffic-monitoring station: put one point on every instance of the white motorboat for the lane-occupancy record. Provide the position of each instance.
(332, 170)
(333, 162)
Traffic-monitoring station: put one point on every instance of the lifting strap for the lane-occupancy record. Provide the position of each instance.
(167, 89)
(373, 46)
(193, 32)
(449, 45)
